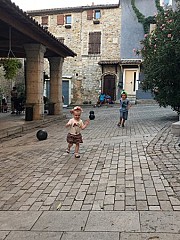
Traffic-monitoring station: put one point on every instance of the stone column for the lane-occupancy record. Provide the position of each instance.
(34, 78)
(56, 83)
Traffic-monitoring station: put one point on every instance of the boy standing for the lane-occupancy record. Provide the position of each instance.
(124, 107)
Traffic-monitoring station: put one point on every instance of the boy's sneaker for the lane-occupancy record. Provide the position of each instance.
(122, 125)
(118, 124)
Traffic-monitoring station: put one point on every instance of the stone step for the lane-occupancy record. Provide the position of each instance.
(175, 128)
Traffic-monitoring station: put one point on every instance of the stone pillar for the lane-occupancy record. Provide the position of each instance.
(56, 83)
(34, 78)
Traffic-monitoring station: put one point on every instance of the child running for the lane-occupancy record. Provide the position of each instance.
(124, 107)
(75, 125)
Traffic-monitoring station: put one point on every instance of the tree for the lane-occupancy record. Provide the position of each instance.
(161, 59)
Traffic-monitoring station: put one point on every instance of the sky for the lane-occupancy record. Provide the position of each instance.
(46, 4)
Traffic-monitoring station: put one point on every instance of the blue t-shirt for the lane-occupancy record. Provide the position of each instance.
(102, 97)
(124, 104)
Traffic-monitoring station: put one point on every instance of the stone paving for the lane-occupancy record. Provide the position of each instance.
(126, 185)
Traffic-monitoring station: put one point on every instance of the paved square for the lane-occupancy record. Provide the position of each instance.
(125, 185)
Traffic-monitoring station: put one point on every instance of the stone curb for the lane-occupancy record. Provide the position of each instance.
(4, 133)
(175, 128)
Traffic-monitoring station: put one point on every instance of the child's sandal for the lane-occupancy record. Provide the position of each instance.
(67, 150)
(77, 155)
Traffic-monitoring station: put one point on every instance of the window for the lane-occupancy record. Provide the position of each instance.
(44, 20)
(97, 14)
(152, 27)
(68, 19)
(134, 83)
(94, 43)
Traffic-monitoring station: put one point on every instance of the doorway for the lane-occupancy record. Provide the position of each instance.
(65, 92)
(130, 79)
(109, 86)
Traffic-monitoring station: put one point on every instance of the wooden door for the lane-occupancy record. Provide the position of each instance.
(109, 87)
(130, 81)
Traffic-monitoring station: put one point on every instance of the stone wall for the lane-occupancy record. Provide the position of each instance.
(84, 69)
(132, 30)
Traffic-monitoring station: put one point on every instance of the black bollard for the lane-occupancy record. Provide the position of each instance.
(41, 135)
(91, 115)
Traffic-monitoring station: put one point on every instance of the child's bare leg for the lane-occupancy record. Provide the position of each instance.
(77, 150)
(120, 120)
(69, 147)
(123, 121)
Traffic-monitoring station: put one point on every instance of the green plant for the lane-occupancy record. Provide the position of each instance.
(158, 6)
(11, 67)
(139, 15)
(146, 21)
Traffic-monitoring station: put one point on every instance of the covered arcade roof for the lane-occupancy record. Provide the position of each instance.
(18, 28)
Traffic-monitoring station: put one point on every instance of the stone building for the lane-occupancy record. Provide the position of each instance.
(93, 32)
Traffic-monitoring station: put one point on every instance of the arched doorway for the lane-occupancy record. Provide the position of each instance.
(109, 86)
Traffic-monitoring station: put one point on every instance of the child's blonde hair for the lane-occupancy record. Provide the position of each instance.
(76, 109)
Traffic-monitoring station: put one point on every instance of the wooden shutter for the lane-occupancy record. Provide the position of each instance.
(89, 14)
(97, 42)
(90, 43)
(60, 19)
(44, 20)
(94, 42)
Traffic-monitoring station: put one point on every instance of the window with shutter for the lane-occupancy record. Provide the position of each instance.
(90, 14)
(60, 19)
(44, 20)
(94, 43)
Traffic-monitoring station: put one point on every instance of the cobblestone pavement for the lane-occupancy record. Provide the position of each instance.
(126, 185)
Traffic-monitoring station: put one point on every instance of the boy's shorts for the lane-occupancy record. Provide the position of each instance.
(124, 114)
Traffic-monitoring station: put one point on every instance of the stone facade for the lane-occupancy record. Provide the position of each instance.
(84, 70)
